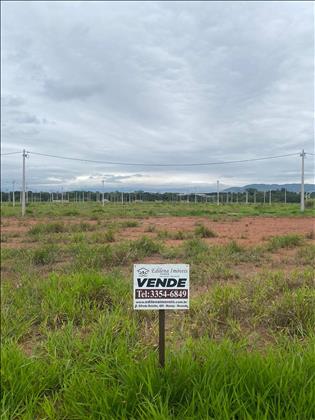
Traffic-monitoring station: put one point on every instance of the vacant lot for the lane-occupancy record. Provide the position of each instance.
(73, 348)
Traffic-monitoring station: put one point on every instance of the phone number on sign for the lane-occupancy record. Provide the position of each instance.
(161, 294)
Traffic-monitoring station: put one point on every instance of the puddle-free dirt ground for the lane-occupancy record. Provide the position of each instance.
(246, 231)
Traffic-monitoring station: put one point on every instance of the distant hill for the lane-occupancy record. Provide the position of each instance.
(267, 187)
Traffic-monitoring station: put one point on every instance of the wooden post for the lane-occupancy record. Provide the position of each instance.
(162, 337)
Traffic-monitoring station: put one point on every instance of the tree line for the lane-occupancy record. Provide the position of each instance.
(249, 196)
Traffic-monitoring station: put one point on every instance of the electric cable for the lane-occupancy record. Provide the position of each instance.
(162, 164)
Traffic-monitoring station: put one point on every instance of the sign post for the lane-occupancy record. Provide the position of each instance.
(162, 337)
(162, 287)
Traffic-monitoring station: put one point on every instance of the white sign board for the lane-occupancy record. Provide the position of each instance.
(161, 286)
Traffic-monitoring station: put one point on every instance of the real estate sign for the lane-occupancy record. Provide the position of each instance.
(161, 286)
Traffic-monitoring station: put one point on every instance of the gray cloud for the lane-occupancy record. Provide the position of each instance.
(25, 118)
(158, 82)
(8, 101)
(62, 91)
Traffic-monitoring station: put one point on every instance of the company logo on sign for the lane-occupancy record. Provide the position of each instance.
(142, 271)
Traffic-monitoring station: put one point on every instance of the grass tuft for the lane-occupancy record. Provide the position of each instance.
(202, 231)
(42, 228)
(285, 241)
(44, 255)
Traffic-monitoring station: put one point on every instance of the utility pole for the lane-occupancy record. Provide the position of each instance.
(122, 198)
(218, 194)
(13, 197)
(269, 197)
(24, 155)
(246, 197)
(103, 182)
(264, 197)
(302, 181)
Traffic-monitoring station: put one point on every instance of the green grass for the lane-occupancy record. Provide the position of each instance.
(106, 376)
(176, 235)
(203, 232)
(73, 347)
(42, 228)
(285, 241)
(44, 255)
(140, 210)
(306, 255)
(60, 227)
(236, 310)
(129, 223)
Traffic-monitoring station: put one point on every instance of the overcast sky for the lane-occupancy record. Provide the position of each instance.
(157, 82)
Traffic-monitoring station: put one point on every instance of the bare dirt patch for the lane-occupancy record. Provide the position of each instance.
(246, 231)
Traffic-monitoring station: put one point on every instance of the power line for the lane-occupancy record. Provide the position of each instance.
(11, 153)
(163, 164)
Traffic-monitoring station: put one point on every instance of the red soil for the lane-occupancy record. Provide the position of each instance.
(246, 231)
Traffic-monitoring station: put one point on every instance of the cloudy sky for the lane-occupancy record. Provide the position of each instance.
(156, 82)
